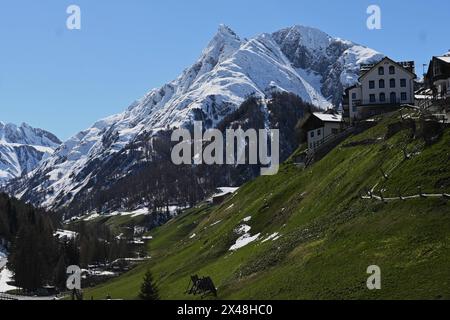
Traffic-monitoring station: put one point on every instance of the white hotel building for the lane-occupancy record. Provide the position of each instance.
(382, 87)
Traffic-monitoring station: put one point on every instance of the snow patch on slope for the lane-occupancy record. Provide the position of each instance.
(245, 239)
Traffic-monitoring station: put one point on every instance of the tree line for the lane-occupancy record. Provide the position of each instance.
(38, 258)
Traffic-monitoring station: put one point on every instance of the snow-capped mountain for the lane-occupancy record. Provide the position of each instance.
(300, 60)
(22, 149)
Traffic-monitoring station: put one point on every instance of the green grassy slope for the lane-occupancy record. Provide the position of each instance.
(329, 235)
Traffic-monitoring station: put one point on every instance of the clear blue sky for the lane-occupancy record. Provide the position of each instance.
(64, 80)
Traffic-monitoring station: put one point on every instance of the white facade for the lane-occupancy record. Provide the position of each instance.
(387, 83)
(331, 125)
(354, 101)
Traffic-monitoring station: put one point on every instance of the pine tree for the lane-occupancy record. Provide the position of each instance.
(148, 289)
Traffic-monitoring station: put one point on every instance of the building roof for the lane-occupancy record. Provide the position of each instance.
(446, 59)
(328, 117)
(406, 65)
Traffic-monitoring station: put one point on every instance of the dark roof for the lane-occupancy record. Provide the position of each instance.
(445, 59)
(445, 70)
(317, 120)
(409, 66)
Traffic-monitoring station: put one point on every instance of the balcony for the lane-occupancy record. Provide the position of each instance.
(358, 103)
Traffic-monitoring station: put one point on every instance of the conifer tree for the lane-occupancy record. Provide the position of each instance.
(148, 289)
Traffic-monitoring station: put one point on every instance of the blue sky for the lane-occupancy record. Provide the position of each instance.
(64, 81)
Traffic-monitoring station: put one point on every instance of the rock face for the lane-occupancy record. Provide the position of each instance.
(22, 149)
(299, 60)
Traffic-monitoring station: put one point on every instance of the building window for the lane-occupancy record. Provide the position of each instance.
(403, 83)
(404, 96)
(381, 71)
(392, 83)
(312, 134)
(355, 109)
(393, 97)
(382, 97)
(372, 98)
(391, 70)
(436, 69)
(354, 95)
(371, 84)
(381, 84)
(319, 132)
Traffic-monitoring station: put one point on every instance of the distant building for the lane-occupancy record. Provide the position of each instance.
(438, 77)
(382, 87)
(222, 194)
(320, 126)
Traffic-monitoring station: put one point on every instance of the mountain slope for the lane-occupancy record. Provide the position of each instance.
(314, 236)
(300, 60)
(22, 148)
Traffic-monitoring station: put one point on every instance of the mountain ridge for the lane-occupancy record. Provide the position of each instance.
(300, 60)
(22, 148)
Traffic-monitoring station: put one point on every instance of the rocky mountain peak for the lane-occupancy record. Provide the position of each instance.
(22, 148)
(299, 60)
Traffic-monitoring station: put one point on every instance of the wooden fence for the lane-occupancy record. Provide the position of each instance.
(372, 196)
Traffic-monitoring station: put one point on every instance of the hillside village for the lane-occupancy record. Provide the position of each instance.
(383, 87)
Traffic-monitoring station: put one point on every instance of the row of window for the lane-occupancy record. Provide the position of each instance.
(381, 70)
(319, 132)
(393, 97)
(382, 84)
